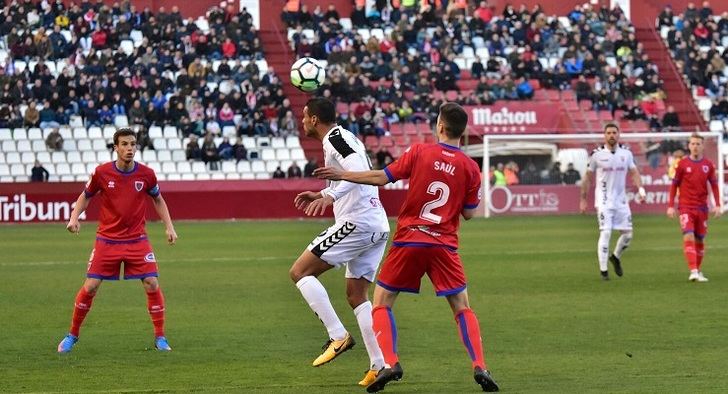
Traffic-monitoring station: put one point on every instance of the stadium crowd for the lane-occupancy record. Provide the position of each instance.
(698, 41)
(97, 62)
(404, 75)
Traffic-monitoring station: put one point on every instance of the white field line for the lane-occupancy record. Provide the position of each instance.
(292, 257)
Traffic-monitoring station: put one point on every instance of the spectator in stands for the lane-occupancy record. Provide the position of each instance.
(38, 173)
(226, 116)
(601, 101)
(665, 17)
(143, 140)
(210, 155)
(524, 89)
(225, 150)
(571, 176)
(279, 174)
(106, 115)
(54, 141)
(48, 116)
(499, 178)
(510, 172)
(635, 112)
(294, 171)
(530, 175)
(555, 177)
(311, 165)
(90, 115)
(583, 89)
(239, 151)
(670, 120)
(32, 115)
(384, 157)
(192, 150)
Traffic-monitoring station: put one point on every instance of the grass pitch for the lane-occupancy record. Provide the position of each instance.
(237, 323)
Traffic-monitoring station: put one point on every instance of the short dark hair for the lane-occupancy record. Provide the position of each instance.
(322, 108)
(455, 119)
(123, 132)
(698, 136)
(608, 125)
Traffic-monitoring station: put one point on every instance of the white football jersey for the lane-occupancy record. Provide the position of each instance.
(611, 173)
(354, 203)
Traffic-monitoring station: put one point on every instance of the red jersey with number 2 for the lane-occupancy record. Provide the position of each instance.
(442, 182)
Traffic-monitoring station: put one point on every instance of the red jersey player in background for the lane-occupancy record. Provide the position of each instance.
(691, 180)
(123, 187)
(444, 183)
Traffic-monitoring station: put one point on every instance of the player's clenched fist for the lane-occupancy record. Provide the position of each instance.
(73, 226)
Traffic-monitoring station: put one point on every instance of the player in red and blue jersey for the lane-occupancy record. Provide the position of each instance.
(123, 186)
(444, 183)
(692, 176)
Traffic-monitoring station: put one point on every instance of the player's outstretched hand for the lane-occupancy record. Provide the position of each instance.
(171, 236)
(73, 226)
(318, 207)
(330, 173)
(717, 212)
(303, 199)
(671, 212)
(582, 206)
(641, 195)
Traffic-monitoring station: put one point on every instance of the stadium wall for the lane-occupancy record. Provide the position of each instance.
(193, 200)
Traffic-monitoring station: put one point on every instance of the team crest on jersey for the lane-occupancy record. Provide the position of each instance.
(705, 169)
(149, 258)
(111, 185)
(689, 169)
(138, 185)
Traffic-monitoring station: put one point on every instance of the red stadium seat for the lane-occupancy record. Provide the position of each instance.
(396, 129)
(386, 141)
(371, 142)
(401, 140)
(410, 129)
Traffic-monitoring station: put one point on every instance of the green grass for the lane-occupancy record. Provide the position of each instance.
(238, 324)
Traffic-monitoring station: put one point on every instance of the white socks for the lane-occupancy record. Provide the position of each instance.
(363, 314)
(622, 244)
(318, 299)
(603, 249)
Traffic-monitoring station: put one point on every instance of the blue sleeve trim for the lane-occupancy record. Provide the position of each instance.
(422, 245)
(389, 175)
(154, 192)
(142, 276)
(471, 206)
(451, 291)
(103, 277)
(88, 194)
(397, 289)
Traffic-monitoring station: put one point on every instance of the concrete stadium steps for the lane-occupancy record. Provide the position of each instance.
(678, 94)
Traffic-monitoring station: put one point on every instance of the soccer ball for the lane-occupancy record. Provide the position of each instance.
(307, 74)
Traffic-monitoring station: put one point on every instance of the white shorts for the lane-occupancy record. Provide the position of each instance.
(615, 219)
(361, 251)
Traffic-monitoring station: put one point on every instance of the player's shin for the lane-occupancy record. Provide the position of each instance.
(469, 330)
(699, 252)
(84, 299)
(318, 299)
(690, 254)
(155, 306)
(603, 249)
(622, 244)
(363, 314)
(385, 330)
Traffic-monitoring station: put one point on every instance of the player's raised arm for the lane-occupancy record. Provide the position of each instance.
(161, 207)
(370, 177)
(73, 225)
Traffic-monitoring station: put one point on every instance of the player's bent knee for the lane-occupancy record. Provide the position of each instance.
(151, 283)
(91, 285)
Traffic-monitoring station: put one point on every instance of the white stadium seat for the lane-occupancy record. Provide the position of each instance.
(84, 145)
(73, 157)
(228, 167)
(277, 142)
(98, 144)
(174, 143)
(103, 156)
(88, 157)
(6, 134)
(169, 168)
(164, 155)
(170, 132)
(27, 158)
(24, 146)
(263, 175)
(188, 176)
(155, 132)
(63, 169)
(80, 132)
(233, 176)
(247, 176)
(293, 142)
(297, 154)
(43, 157)
(198, 167)
(109, 132)
(149, 155)
(58, 157)
(18, 170)
(283, 154)
(35, 134)
(243, 166)
(184, 167)
(95, 132)
(267, 154)
(20, 134)
(39, 146)
(178, 155)
(12, 158)
(8, 146)
(4, 170)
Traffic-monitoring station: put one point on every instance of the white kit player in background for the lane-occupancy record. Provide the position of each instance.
(357, 239)
(611, 162)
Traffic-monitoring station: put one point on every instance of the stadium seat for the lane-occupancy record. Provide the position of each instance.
(159, 144)
(35, 133)
(216, 176)
(155, 166)
(716, 125)
(63, 169)
(78, 169)
(91, 167)
(24, 146)
(169, 168)
(174, 177)
(88, 157)
(109, 132)
(8, 146)
(39, 146)
(164, 155)
(198, 167)
(257, 166)
(178, 155)
(81, 178)
(127, 46)
(73, 157)
(233, 176)
(204, 176)
(27, 158)
(58, 157)
(95, 132)
(298, 154)
(18, 170)
(188, 176)
(84, 145)
(6, 134)
(262, 142)
(263, 175)
(249, 142)
(98, 144)
(80, 132)
(283, 154)
(4, 170)
(267, 154)
(184, 167)
(149, 155)
(103, 156)
(271, 166)
(170, 132)
(20, 134)
(229, 131)
(174, 144)
(247, 176)
(43, 157)
(121, 121)
(155, 132)
(243, 166)
(228, 167)
(277, 142)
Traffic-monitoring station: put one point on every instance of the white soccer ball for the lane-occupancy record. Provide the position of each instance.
(307, 74)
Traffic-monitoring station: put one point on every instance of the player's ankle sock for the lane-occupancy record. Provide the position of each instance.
(155, 306)
(385, 330)
(363, 314)
(83, 303)
(699, 252)
(690, 255)
(318, 299)
(469, 330)
(603, 249)
(622, 244)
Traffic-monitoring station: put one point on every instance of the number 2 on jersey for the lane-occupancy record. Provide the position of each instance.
(434, 188)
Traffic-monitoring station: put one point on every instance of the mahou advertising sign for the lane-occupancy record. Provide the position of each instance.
(513, 117)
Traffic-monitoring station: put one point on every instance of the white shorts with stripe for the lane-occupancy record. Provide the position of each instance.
(615, 219)
(342, 244)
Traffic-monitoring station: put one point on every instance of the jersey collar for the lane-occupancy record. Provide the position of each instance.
(448, 146)
(136, 165)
